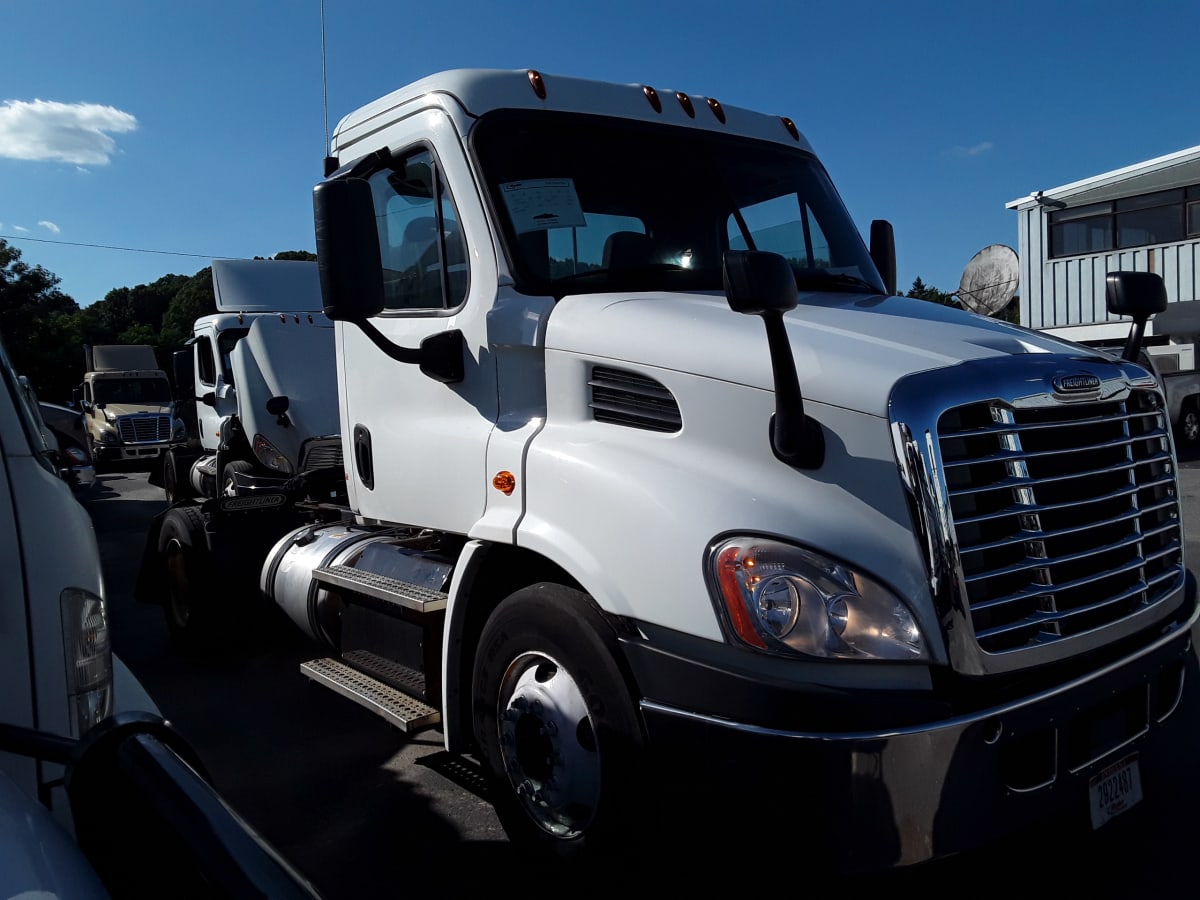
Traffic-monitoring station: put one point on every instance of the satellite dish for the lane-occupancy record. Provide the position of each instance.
(989, 281)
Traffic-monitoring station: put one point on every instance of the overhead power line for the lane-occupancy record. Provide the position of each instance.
(15, 237)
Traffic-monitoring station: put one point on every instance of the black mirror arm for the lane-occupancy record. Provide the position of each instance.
(796, 438)
(1133, 344)
(440, 355)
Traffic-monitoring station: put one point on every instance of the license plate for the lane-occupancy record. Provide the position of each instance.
(1115, 790)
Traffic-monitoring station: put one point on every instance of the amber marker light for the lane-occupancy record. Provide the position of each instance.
(791, 127)
(728, 567)
(717, 110)
(652, 96)
(686, 102)
(537, 83)
(504, 482)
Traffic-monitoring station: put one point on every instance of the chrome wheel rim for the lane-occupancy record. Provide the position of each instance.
(548, 745)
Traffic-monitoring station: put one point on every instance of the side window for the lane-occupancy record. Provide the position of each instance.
(781, 225)
(225, 344)
(207, 370)
(420, 240)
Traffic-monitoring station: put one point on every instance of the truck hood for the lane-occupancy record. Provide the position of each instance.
(135, 409)
(849, 349)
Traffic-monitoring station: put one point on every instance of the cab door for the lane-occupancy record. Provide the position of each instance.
(416, 447)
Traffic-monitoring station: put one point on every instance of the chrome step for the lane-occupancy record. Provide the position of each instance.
(403, 710)
(381, 587)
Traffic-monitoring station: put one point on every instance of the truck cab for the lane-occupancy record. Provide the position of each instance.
(126, 402)
(257, 381)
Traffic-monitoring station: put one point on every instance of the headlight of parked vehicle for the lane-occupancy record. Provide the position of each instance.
(178, 431)
(109, 436)
(270, 457)
(88, 653)
(787, 600)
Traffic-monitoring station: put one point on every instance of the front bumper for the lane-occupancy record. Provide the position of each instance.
(127, 452)
(883, 797)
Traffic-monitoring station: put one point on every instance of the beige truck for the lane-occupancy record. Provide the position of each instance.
(126, 401)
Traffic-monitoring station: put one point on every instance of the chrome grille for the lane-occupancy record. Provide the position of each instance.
(1066, 517)
(143, 429)
(321, 453)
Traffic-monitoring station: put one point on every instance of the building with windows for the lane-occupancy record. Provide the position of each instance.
(1144, 217)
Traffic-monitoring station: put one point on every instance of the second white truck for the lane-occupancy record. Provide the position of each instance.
(663, 507)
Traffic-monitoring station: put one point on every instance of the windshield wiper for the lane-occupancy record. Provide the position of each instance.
(834, 281)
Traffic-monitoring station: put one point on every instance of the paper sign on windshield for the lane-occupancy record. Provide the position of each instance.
(542, 203)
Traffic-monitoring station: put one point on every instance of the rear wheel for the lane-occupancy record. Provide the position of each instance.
(175, 484)
(183, 549)
(556, 725)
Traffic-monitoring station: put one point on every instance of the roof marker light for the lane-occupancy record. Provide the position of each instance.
(686, 102)
(538, 85)
(652, 96)
(791, 127)
(717, 110)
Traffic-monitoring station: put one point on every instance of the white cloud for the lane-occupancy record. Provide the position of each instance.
(64, 132)
(19, 228)
(974, 150)
(50, 226)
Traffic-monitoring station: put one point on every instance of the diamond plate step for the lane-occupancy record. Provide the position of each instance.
(381, 587)
(403, 710)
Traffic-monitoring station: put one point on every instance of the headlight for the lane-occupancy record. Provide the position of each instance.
(783, 599)
(88, 655)
(179, 430)
(109, 436)
(270, 457)
(76, 456)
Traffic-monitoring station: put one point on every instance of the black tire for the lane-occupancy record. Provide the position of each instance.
(187, 601)
(564, 773)
(1187, 429)
(174, 487)
(227, 475)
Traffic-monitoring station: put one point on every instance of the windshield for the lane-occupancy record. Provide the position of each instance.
(591, 204)
(145, 391)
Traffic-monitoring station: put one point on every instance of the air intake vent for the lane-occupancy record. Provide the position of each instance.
(144, 429)
(627, 398)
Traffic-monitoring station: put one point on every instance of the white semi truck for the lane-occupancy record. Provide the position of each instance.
(662, 506)
(257, 388)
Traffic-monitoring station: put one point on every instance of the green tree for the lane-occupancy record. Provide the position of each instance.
(927, 292)
(38, 323)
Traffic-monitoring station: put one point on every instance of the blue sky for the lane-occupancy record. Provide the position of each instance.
(199, 128)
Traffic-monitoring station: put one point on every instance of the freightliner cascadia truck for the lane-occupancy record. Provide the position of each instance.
(666, 510)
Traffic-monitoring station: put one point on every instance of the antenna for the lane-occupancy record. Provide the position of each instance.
(330, 162)
(990, 280)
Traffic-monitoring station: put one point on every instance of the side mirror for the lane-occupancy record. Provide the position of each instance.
(77, 397)
(100, 404)
(883, 252)
(181, 369)
(209, 399)
(757, 282)
(278, 407)
(763, 284)
(1138, 295)
(348, 259)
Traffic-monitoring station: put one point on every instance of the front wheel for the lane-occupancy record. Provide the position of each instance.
(229, 476)
(556, 725)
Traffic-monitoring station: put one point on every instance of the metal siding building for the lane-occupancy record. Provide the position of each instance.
(1061, 288)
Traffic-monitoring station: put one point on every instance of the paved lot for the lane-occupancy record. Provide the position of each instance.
(366, 812)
